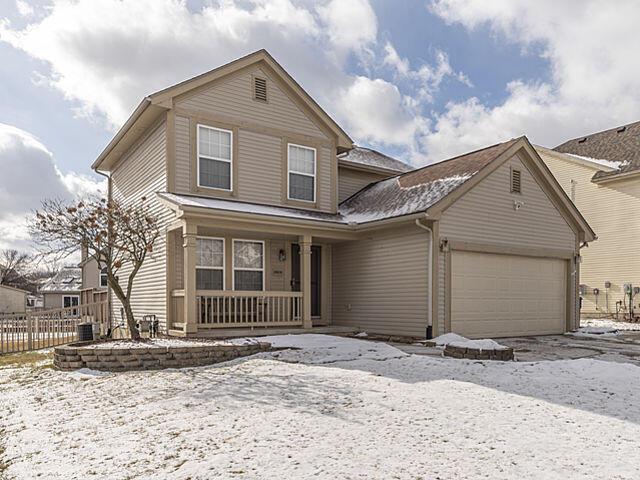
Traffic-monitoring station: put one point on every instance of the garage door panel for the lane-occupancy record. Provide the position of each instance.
(505, 295)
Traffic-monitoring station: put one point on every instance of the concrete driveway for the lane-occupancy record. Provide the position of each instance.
(623, 348)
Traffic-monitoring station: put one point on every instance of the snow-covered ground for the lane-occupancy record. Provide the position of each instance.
(336, 408)
(606, 323)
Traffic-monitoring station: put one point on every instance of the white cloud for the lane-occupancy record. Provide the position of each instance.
(595, 72)
(24, 8)
(104, 59)
(30, 175)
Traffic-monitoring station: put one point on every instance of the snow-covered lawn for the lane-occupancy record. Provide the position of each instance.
(336, 408)
(606, 323)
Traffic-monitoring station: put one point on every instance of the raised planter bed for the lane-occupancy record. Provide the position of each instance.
(503, 354)
(120, 356)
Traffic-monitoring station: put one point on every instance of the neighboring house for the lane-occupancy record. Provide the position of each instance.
(245, 173)
(12, 300)
(93, 277)
(601, 174)
(63, 289)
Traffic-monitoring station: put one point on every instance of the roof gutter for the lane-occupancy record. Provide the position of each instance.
(121, 133)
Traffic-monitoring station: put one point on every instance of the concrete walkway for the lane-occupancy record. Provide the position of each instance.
(623, 348)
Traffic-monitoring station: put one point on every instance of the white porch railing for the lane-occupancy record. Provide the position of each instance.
(228, 309)
(20, 332)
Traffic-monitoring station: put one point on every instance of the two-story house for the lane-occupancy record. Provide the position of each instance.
(601, 174)
(271, 217)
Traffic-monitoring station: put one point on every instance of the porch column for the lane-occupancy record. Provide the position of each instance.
(189, 251)
(305, 281)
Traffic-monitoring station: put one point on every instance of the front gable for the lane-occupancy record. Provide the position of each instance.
(490, 213)
(231, 99)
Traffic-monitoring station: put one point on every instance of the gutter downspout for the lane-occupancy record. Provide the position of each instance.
(429, 333)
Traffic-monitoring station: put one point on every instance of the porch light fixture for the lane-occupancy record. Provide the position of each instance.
(282, 255)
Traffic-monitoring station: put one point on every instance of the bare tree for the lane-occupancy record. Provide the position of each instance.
(119, 237)
(16, 269)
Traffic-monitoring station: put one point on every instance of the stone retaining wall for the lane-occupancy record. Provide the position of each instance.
(504, 354)
(79, 355)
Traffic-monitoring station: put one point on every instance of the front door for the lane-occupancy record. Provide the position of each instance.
(316, 262)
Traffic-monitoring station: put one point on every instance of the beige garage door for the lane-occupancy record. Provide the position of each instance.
(506, 295)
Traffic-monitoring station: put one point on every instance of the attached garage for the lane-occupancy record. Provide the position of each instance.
(507, 295)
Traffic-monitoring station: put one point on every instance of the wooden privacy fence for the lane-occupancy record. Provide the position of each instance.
(21, 332)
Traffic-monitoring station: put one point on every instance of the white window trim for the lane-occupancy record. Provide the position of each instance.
(233, 261)
(289, 172)
(224, 257)
(100, 274)
(198, 155)
(70, 296)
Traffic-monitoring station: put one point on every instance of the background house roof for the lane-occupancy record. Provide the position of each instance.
(416, 191)
(372, 158)
(69, 279)
(620, 145)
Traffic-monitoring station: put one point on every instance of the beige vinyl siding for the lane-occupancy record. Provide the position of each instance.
(259, 167)
(142, 173)
(380, 283)
(233, 97)
(276, 269)
(486, 214)
(12, 300)
(182, 155)
(323, 179)
(611, 209)
(351, 181)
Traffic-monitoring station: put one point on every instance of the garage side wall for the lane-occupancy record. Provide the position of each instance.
(380, 283)
(486, 215)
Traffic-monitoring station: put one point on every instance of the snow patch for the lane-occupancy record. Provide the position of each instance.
(613, 164)
(459, 341)
(169, 342)
(604, 322)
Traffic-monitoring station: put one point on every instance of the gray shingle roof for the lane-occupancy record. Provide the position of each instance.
(373, 158)
(620, 144)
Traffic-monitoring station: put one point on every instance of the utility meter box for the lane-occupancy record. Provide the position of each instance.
(627, 288)
(607, 284)
(596, 291)
(582, 289)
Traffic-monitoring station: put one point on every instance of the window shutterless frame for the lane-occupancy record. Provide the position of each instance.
(229, 161)
(71, 297)
(289, 172)
(224, 257)
(103, 278)
(233, 260)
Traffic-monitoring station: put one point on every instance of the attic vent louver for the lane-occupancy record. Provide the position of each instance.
(621, 129)
(260, 89)
(516, 183)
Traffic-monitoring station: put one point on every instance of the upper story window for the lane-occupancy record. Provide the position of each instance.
(103, 277)
(302, 173)
(209, 263)
(215, 157)
(248, 265)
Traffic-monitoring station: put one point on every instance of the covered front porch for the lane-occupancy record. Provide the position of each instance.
(237, 277)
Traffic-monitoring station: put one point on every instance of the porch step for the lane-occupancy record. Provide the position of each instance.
(260, 332)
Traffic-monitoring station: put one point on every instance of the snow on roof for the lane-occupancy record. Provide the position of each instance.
(404, 194)
(416, 191)
(613, 164)
(373, 158)
(69, 279)
(244, 207)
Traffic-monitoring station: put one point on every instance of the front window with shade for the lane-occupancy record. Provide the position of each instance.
(215, 158)
(302, 173)
(248, 265)
(209, 263)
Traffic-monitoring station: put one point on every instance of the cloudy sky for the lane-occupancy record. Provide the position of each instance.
(422, 80)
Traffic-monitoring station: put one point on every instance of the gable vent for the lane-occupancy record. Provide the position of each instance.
(260, 89)
(516, 183)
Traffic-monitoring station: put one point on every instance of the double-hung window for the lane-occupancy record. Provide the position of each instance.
(302, 173)
(209, 263)
(103, 277)
(215, 158)
(248, 265)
